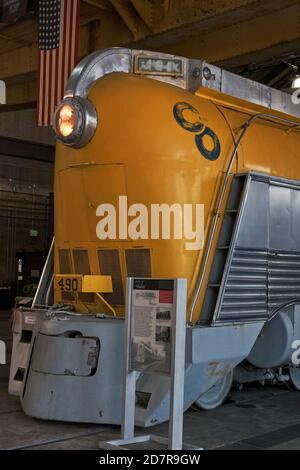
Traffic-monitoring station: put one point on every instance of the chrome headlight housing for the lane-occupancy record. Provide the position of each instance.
(75, 121)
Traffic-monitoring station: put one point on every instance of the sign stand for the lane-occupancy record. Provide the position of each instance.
(163, 353)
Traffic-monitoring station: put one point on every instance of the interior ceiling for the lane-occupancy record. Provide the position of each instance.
(259, 39)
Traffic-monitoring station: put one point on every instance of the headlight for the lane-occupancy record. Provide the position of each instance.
(75, 121)
(66, 120)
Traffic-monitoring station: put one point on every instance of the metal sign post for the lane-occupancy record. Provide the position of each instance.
(155, 331)
(129, 378)
(178, 367)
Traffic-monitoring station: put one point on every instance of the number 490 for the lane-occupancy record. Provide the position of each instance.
(68, 284)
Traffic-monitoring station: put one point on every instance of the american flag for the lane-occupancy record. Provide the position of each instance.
(58, 43)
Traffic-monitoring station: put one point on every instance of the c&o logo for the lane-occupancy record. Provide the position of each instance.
(197, 127)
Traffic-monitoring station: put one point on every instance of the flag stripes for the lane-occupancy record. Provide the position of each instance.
(58, 48)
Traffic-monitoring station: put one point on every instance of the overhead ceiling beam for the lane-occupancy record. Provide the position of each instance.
(97, 4)
(229, 33)
(23, 92)
(19, 62)
(27, 150)
(176, 19)
(24, 60)
(202, 37)
(146, 11)
(14, 39)
(134, 23)
(251, 40)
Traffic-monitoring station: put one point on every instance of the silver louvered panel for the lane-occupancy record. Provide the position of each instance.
(284, 279)
(246, 294)
(262, 269)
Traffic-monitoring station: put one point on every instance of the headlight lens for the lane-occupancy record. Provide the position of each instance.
(66, 120)
(75, 122)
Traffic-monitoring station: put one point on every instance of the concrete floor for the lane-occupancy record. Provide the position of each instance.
(257, 418)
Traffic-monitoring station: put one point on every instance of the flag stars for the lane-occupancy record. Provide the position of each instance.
(49, 24)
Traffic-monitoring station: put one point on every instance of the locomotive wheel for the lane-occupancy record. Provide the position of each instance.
(294, 382)
(216, 395)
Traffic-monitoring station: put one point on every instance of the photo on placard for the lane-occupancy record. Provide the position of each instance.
(163, 315)
(163, 334)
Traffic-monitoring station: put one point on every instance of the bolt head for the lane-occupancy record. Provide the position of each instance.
(196, 72)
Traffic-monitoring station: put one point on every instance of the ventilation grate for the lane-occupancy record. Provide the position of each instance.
(109, 263)
(82, 266)
(138, 263)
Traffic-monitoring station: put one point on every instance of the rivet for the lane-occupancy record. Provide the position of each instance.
(196, 72)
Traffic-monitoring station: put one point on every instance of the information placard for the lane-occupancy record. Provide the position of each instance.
(151, 331)
(155, 330)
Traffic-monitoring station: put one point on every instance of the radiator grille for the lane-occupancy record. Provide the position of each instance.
(65, 267)
(245, 295)
(262, 251)
(109, 263)
(138, 263)
(82, 266)
(81, 262)
(258, 283)
(284, 279)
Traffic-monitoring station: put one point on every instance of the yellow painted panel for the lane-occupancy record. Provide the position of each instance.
(140, 150)
(86, 284)
(101, 284)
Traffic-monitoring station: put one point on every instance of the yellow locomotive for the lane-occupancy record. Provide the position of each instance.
(150, 129)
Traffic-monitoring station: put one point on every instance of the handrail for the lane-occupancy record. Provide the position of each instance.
(244, 129)
(45, 273)
(106, 303)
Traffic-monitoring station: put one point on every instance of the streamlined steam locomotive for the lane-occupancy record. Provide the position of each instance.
(159, 129)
